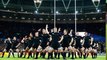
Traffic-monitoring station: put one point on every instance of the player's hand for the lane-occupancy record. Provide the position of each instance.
(59, 29)
(71, 30)
(39, 29)
(22, 40)
(59, 41)
(47, 43)
(73, 44)
(91, 44)
(46, 25)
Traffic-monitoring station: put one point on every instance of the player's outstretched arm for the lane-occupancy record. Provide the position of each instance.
(47, 29)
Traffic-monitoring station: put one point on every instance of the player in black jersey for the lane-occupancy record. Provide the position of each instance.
(94, 46)
(24, 51)
(13, 47)
(30, 44)
(86, 44)
(29, 47)
(36, 43)
(44, 40)
(55, 37)
(49, 49)
(71, 48)
(8, 43)
(78, 44)
(25, 42)
(65, 41)
(71, 34)
(60, 49)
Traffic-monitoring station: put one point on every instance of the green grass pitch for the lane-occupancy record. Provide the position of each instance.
(89, 58)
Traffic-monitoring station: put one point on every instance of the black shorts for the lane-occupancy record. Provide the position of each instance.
(7, 49)
(35, 46)
(65, 45)
(78, 46)
(25, 47)
(14, 48)
(86, 45)
(55, 46)
(43, 46)
(29, 47)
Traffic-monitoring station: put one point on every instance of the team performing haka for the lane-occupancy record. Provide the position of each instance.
(54, 43)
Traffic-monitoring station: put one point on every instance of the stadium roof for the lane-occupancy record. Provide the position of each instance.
(25, 11)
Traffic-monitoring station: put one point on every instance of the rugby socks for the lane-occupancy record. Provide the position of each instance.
(29, 54)
(55, 54)
(43, 54)
(92, 55)
(21, 54)
(75, 55)
(95, 55)
(49, 54)
(37, 53)
(9, 54)
(72, 55)
(80, 54)
(85, 56)
(59, 55)
(3, 54)
(64, 55)
(18, 54)
(13, 54)
(68, 54)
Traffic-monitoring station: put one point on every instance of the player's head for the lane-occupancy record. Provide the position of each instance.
(52, 30)
(29, 38)
(65, 32)
(55, 29)
(8, 38)
(25, 36)
(43, 31)
(14, 38)
(36, 34)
